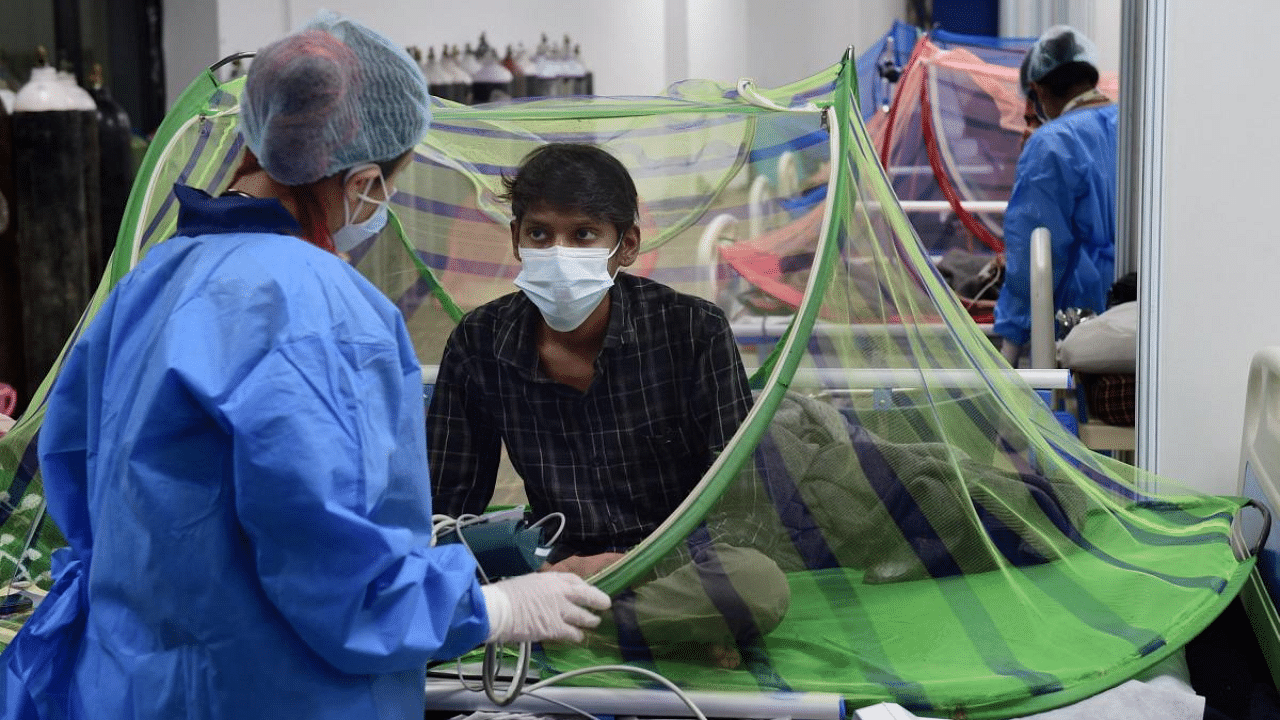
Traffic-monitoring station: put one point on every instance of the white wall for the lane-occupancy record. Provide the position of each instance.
(190, 36)
(1106, 34)
(787, 41)
(775, 43)
(1097, 19)
(1221, 255)
(717, 40)
(634, 47)
(22, 31)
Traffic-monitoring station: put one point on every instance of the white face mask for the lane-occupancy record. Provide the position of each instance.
(566, 283)
(351, 233)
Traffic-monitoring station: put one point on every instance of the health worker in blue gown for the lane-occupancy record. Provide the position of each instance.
(1066, 182)
(235, 447)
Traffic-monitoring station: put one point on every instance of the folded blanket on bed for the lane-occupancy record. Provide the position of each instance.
(903, 511)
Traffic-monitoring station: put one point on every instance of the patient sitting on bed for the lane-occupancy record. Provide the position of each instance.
(612, 394)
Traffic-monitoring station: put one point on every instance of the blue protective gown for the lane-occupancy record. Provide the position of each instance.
(235, 450)
(1066, 182)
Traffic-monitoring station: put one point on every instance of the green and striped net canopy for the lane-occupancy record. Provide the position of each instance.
(900, 517)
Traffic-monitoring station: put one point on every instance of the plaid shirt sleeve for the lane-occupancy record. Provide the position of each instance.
(463, 445)
(724, 400)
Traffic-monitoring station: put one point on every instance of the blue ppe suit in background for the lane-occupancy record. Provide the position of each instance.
(1066, 182)
(235, 451)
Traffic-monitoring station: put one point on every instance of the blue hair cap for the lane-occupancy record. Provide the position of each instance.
(1057, 46)
(331, 96)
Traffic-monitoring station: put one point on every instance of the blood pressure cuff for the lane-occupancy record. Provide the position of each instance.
(503, 543)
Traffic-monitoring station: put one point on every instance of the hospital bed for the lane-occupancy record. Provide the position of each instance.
(1043, 350)
(725, 229)
(763, 197)
(764, 331)
(456, 688)
(1259, 478)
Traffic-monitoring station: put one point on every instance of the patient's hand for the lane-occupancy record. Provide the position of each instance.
(583, 566)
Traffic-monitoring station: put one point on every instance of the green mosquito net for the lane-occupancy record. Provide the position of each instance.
(900, 517)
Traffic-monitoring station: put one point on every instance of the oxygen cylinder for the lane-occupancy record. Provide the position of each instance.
(573, 70)
(115, 168)
(512, 64)
(492, 81)
(55, 146)
(416, 53)
(91, 162)
(463, 75)
(12, 359)
(528, 68)
(8, 83)
(542, 79)
(552, 70)
(460, 80)
(469, 61)
(438, 83)
(588, 80)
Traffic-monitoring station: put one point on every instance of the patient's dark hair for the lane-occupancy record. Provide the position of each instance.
(1064, 78)
(570, 176)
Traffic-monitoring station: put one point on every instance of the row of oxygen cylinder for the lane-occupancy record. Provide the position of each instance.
(66, 169)
(480, 75)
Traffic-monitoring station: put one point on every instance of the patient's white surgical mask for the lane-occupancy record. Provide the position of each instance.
(566, 283)
(353, 233)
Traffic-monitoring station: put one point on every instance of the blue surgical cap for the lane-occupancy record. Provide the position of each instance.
(331, 96)
(1059, 45)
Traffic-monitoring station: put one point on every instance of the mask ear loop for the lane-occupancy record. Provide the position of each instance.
(348, 215)
(621, 236)
(616, 248)
(1035, 102)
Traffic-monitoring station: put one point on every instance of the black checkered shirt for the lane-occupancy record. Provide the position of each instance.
(669, 391)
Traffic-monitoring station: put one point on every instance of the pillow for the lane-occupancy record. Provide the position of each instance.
(1107, 343)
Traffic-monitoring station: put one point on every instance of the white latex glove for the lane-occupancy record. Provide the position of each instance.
(542, 606)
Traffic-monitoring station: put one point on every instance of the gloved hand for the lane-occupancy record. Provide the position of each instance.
(542, 606)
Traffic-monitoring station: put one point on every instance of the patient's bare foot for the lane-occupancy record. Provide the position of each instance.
(717, 655)
(725, 656)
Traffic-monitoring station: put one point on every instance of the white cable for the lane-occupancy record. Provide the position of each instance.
(978, 295)
(490, 715)
(462, 678)
(442, 524)
(492, 651)
(563, 704)
(559, 516)
(697, 712)
(511, 696)
(492, 664)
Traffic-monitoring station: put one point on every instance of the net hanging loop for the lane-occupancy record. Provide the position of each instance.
(747, 90)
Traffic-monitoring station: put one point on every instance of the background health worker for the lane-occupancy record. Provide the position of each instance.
(235, 449)
(1066, 182)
